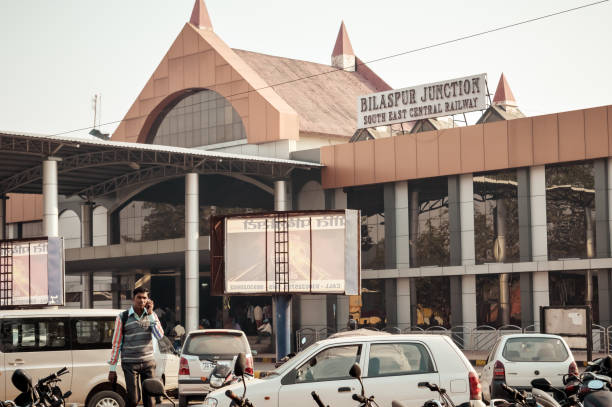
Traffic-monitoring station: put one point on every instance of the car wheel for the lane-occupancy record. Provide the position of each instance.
(183, 401)
(106, 398)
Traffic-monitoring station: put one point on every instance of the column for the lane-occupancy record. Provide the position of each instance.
(3, 230)
(49, 189)
(336, 199)
(541, 296)
(524, 214)
(539, 239)
(390, 253)
(466, 215)
(192, 261)
(526, 299)
(282, 303)
(602, 232)
(603, 288)
(87, 224)
(403, 303)
(87, 292)
(468, 306)
(454, 215)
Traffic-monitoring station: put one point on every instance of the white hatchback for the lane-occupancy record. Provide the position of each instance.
(518, 359)
(392, 367)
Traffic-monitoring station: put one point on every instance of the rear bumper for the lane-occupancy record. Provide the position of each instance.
(193, 387)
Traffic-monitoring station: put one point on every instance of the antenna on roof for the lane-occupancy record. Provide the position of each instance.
(94, 106)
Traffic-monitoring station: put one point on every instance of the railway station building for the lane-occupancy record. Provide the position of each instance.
(462, 226)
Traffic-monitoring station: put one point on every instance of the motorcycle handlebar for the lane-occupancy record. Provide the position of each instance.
(52, 376)
(234, 397)
(513, 392)
(316, 398)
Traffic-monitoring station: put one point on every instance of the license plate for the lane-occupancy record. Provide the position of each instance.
(207, 365)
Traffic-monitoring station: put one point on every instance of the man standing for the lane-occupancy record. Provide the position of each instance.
(133, 339)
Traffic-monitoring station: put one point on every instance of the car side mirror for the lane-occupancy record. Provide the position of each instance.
(240, 365)
(541, 383)
(355, 371)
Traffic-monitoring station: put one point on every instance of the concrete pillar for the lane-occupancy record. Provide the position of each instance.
(539, 240)
(3, 229)
(402, 226)
(389, 211)
(456, 301)
(537, 190)
(87, 293)
(603, 288)
(403, 303)
(454, 215)
(526, 300)
(192, 261)
(49, 189)
(524, 214)
(504, 298)
(541, 296)
(282, 303)
(468, 306)
(87, 224)
(602, 213)
(466, 215)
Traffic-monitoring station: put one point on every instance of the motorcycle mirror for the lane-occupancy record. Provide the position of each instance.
(303, 340)
(154, 387)
(22, 380)
(355, 371)
(595, 385)
(541, 383)
(240, 365)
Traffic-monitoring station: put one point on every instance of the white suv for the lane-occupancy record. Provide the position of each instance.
(392, 367)
(46, 340)
(518, 359)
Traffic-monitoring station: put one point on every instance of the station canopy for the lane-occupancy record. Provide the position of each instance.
(90, 167)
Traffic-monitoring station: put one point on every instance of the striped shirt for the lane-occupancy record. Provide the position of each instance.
(136, 342)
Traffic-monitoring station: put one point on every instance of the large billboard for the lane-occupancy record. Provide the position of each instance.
(438, 99)
(318, 254)
(31, 272)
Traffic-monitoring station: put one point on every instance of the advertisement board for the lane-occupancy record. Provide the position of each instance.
(319, 253)
(438, 99)
(31, 272)
(573, 323)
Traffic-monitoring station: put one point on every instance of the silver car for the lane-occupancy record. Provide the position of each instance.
(203, 349)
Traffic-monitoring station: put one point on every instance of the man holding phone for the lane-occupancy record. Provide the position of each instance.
(133, 340)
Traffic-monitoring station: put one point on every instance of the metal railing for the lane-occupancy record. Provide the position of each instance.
(479, 338)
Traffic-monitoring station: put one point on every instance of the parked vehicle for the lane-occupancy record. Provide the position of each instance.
(394, 365)
(80, 339)
(587, 390)
(516, 360)
(203, 350)
(46, 392)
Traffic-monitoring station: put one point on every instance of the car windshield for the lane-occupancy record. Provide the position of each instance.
(215, 344)
(534, 349)
(287, 365)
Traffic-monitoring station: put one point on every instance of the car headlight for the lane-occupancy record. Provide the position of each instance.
(216, 382)
(210, 402)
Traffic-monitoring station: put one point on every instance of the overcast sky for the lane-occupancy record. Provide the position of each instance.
(57, 54)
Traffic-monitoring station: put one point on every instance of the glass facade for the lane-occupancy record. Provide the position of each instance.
(200, 119)
(488, 310)
(369, 200)
(429, 222)
(433, 302)
(570, 210)
(496, 223)
(146, 221)
(373, 303)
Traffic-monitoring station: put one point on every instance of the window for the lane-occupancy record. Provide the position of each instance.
(429, 222)
(215, 344)
(93, 333)
(33, 335)
(165, 346)
(535, 350)
(369, 200)
(392, 359)
(433, 302)
(570, 210)
(496, 217)
(330, 364)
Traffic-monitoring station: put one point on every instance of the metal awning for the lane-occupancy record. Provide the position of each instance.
(89, 167)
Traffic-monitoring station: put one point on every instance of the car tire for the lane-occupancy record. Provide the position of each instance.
(106, 398)
(183, 401)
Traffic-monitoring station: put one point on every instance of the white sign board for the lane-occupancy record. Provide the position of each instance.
(421, 102)
(322, 253)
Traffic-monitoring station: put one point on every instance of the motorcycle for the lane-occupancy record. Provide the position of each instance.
(239, 368)
(45, 393)
(587, 390)
(355, 372)
(444, 397)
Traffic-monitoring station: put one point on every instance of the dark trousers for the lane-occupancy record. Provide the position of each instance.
(132, 372)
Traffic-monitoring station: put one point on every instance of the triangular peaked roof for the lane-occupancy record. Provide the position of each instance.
(343, 44)
(200, 17)
(503, 93)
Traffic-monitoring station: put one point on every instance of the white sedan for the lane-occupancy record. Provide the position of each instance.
(392, 367)
(518, 359)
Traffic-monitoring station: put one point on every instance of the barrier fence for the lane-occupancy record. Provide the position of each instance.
(479, 338)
